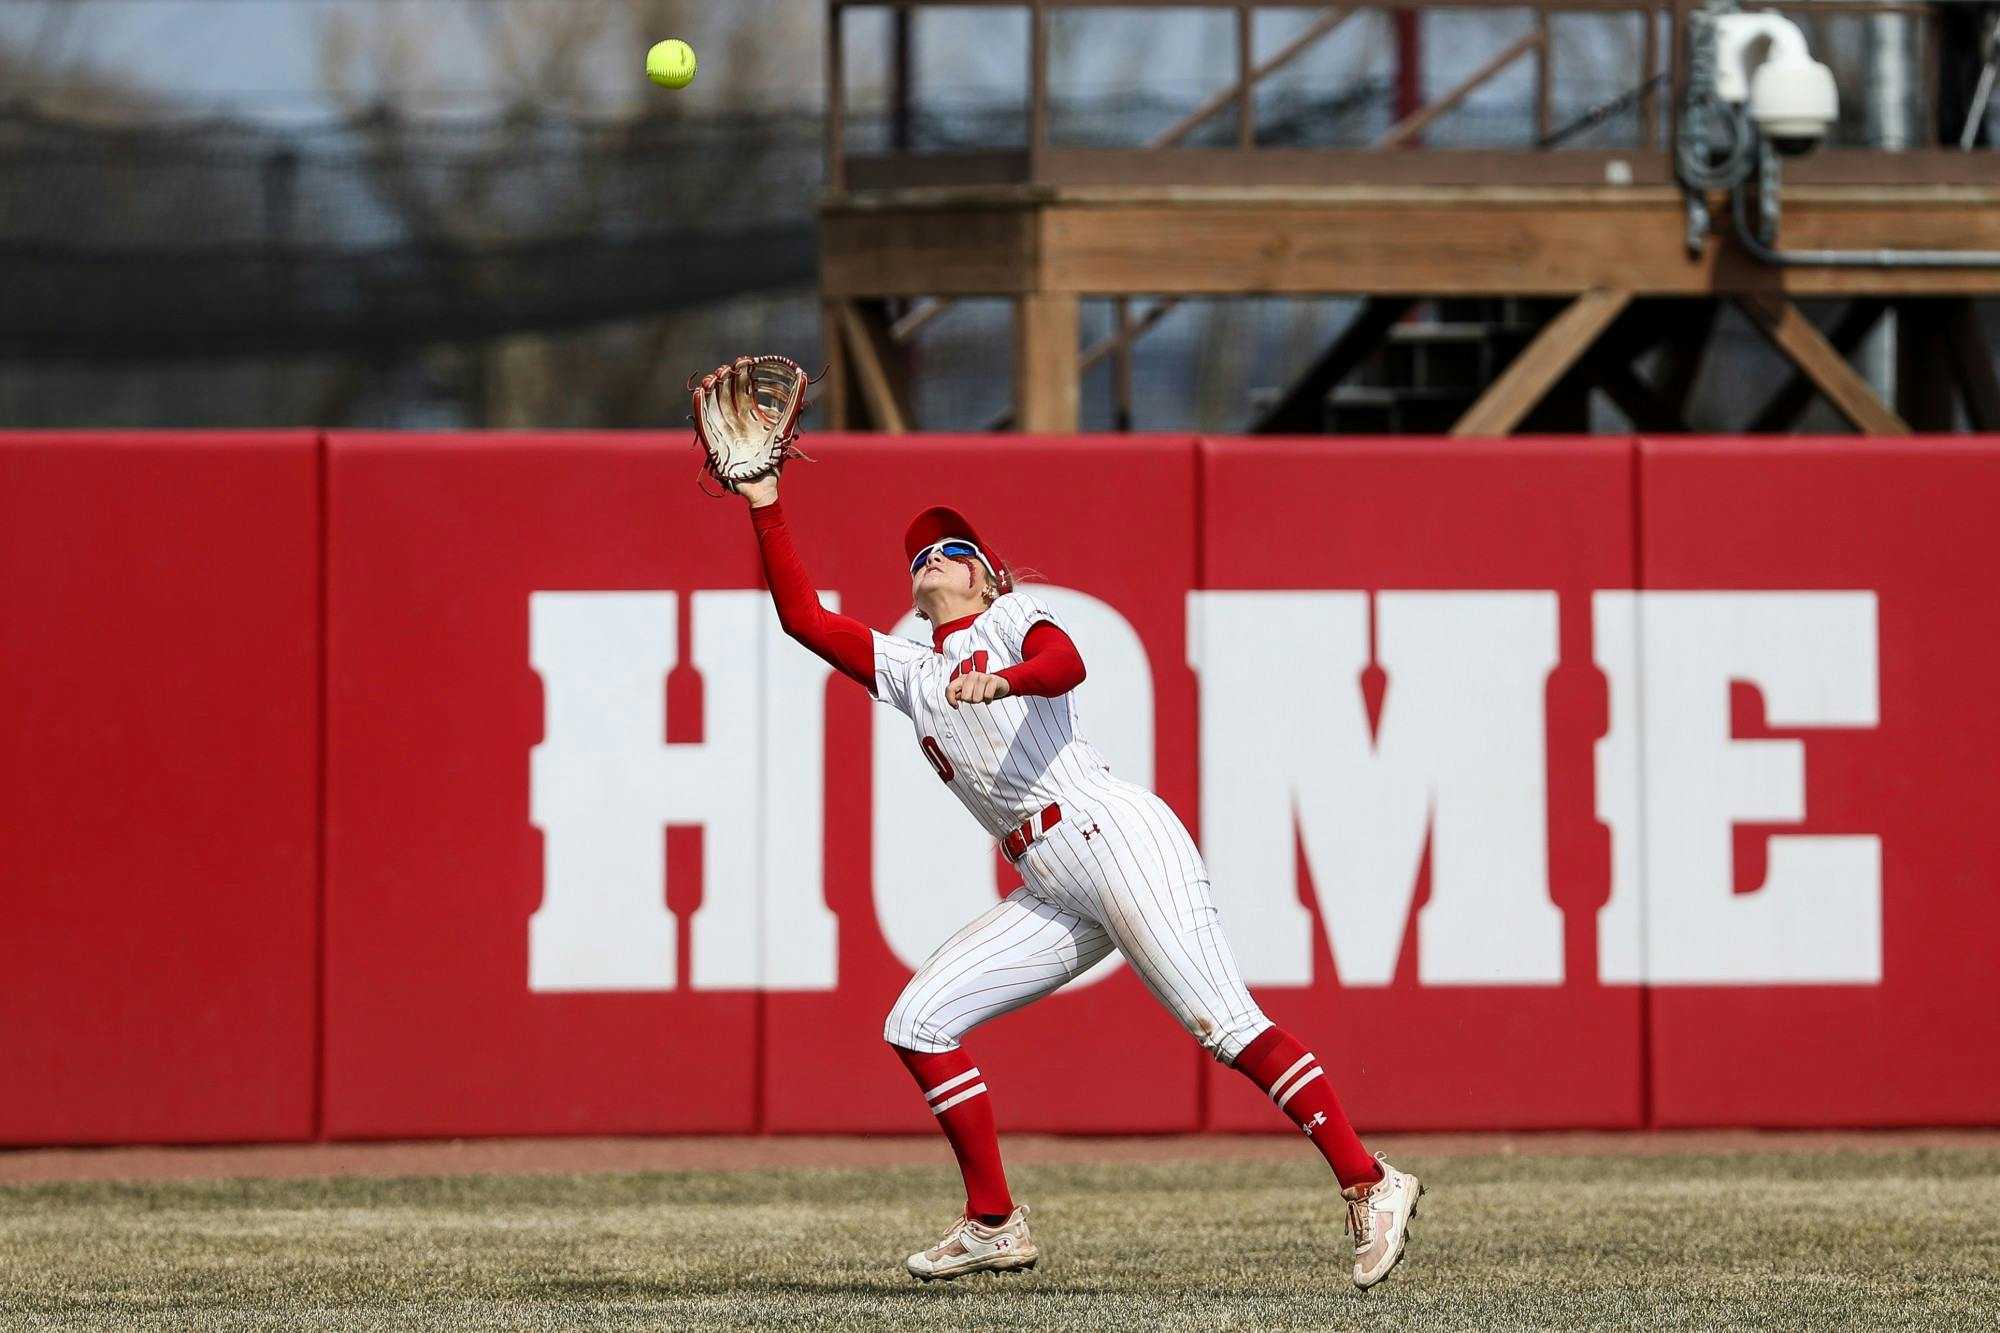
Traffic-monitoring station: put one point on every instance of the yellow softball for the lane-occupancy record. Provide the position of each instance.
(671, 63)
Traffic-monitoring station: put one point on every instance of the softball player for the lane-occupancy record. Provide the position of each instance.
(1105, 865)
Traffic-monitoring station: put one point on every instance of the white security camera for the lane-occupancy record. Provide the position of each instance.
(1763, 60)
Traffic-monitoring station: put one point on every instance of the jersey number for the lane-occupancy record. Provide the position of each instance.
(935, 753)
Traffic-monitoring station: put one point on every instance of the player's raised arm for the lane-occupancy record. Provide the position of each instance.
(746, 418)
(843, 642)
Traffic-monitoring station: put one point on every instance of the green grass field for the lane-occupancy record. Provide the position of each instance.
(1901, 1238)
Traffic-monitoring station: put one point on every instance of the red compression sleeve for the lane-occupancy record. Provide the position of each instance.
(845, 643)
(1050, 663)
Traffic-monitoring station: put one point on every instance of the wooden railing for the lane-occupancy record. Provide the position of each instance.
(1165, 159)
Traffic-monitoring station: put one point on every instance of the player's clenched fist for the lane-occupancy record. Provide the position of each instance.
(976, 687)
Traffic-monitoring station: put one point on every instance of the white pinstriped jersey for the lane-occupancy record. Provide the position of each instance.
(1118, 871)
(1007, 759)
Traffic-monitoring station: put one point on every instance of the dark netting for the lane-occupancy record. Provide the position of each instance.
(541, 269)
(165, 241)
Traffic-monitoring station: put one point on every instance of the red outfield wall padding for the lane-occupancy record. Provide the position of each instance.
(159, 618)
(606, 853)
(1884, 693)
(1399, 715)
(434, 868)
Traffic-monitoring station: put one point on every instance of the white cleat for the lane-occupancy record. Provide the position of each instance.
(970, 1247)
(1379, 1217)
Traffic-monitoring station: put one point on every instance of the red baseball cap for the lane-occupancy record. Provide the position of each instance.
(939, 522)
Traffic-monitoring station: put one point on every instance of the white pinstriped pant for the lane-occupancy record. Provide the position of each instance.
(1119, 871)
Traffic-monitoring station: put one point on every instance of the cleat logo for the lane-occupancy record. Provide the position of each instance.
(1318, 1119)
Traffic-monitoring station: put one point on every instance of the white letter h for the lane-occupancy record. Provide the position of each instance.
(604, 783)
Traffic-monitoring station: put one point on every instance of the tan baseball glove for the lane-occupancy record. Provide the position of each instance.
(746, 417)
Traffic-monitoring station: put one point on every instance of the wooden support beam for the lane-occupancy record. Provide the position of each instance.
(1849, 330)
(1649, 62)
(1038, 84)
(1559, 346)
(1972, 364)
(900, 77)
(1369, 241)
(1121, 367)
(1246, 76)
(836, 393)
(1302, 409)
(876, 317)
(916, 317)
(866, 345)
(1046, 379)
(1128, 332)
(1414, 123)
(836, 102)
(1793, 334)
(1544, 76)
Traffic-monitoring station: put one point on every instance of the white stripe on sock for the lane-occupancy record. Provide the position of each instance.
(1281, 1079)
(950, 1102)
(1294, 1090)
(950, 1083)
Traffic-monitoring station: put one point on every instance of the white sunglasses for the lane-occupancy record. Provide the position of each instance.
(953, 548)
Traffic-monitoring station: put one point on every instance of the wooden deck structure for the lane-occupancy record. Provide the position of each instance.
(1601, 232)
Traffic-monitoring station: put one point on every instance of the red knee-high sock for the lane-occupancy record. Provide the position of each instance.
(1290, 1075)
(957, 1096)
